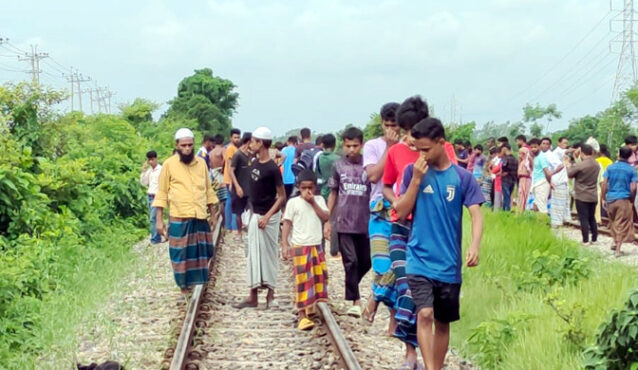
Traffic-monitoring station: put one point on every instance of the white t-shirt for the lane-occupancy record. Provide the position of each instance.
(306, 226)
(555, 160)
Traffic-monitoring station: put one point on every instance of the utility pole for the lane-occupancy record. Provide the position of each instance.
(79, 79)
(90, 91)
(626, 71)
(34, 58)
(71, 79)
(108, 94)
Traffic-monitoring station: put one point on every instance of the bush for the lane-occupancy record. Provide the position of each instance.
(616, 339)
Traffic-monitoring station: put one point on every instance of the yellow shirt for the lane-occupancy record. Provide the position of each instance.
(604, 162)
(186, 187)
(228, 156)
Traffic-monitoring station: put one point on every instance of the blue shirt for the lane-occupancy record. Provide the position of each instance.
(540, 164)
(619, 177)
(289, 152)
(434, 248)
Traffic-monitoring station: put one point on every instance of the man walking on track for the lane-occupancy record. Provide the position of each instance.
(435, 186)
(375, 154)
(150, 178)
(185, 187)
(618, 189)
(267, 196)
(349, 199)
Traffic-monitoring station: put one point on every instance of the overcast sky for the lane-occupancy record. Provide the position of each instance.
(326, 63)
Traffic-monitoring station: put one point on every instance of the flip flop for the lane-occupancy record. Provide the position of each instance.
(368, 315)
(305, 324)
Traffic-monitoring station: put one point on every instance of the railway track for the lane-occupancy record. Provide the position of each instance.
(214, 335)
(603, 228)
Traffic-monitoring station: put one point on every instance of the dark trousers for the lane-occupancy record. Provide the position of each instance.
(507, 196)
(587, 218)
(355, 255)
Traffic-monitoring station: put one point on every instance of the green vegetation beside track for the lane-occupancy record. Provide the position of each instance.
(536, 301)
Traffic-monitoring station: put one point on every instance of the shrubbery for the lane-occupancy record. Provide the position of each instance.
(65, 182)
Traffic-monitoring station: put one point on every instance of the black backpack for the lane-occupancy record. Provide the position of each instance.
(307, 160)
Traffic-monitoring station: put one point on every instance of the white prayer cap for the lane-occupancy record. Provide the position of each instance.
(262, 133)
(594, 144)
(184, 133)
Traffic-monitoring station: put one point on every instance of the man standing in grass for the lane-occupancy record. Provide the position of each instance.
(525, 166)
(185, 186)
(435, 191)
(618, 191)
(150, 178)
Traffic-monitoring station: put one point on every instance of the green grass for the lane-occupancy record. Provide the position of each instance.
(490, 292)
(98, 273)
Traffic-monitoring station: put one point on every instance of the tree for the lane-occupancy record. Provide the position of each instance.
(209, 99)
(373, 128)
(463, 132)
(536, 112)
(141, 110)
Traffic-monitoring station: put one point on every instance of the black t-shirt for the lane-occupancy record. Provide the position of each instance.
(510, 165)
(264, 179)
(240, 162)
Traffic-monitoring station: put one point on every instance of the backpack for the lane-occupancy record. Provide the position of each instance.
(307, 160)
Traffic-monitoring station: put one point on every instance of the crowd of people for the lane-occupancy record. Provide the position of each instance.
(555, 181)
(392, 204)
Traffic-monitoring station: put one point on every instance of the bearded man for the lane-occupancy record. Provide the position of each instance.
(185, 186)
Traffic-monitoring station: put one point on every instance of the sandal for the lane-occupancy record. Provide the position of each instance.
(305, 324)
(245, 304)
(354, 311)
(368, 315)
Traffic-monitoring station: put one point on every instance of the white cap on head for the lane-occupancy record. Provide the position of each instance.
(262, 133)
(184, 133)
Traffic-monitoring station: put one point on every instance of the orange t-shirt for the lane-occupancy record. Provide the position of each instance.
(228, 156)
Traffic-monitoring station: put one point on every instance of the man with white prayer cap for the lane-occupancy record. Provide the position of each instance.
(185, 187)
(266, 197)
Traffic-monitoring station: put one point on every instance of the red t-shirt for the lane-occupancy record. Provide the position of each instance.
(399, 157)
(451, 153)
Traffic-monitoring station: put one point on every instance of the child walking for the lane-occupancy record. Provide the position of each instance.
(305, 216)
(350, 192)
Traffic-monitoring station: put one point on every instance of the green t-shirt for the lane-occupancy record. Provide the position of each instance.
(324, 170)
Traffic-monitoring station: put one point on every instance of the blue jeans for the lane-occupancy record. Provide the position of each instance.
(507, 196)
(230, 218)
(155, 236)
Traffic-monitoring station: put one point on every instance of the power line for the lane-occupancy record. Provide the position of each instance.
(553, 67)
(573, 70)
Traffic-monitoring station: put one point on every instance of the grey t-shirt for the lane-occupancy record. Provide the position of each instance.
(352, 209)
